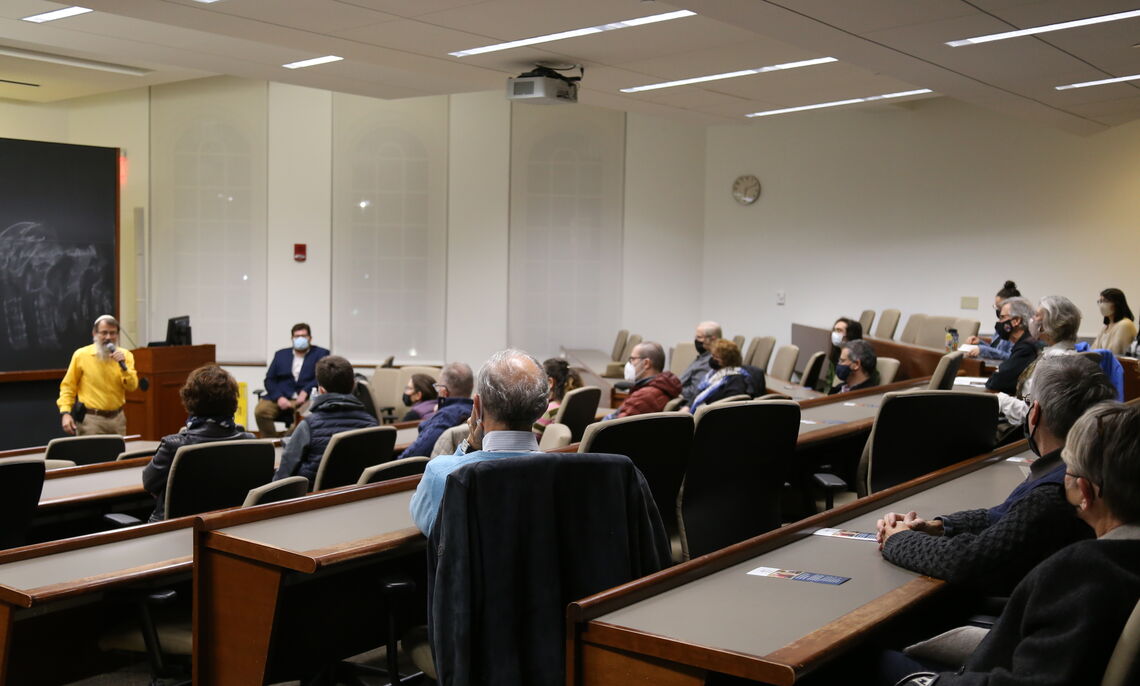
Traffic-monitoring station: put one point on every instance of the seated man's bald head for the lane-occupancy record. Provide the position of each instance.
(512, 389)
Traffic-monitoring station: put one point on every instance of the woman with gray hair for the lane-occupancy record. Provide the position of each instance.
(1063, 621)
(1055, 324)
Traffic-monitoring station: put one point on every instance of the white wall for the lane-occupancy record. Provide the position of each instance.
(664, 222)
(913, 207)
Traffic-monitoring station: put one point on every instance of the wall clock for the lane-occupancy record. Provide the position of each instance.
(746, 189)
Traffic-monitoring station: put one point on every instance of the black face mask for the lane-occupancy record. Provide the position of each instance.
(407, 399)
(714, 364)
(700, 346)
(1003, 329)
(1029, 434)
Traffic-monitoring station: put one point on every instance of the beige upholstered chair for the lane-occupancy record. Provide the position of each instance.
(888, 322)
(812, 369)
(85, 449)
(449, 440)
(276, 491)
(393, 469)
(739, 341)
(732, 399)
(681, 357)
(913, 325)
(761, 352)
(933, 331)
(865, 320)
(888, 368)
(785, 362)
(619, 345)
(1124, 665)
(616, 369)
(578, 409)
(132, 454)
(943, 377)
(967, 328)
(351, 452)
(386, 389)
(554, 436)
(674, 404)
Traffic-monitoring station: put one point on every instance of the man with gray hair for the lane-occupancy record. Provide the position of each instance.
(856, 368)
(1016, 313)
(94, 390)
(454, 407)
(510, 394)
(652, 387)
(695, 373)
(994, 549)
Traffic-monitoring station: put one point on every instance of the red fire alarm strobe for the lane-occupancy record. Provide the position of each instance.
(299, 252)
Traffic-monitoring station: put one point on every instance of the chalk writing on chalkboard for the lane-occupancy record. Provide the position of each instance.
(48, 286)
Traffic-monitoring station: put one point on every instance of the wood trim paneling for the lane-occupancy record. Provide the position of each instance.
(33, 375)
(97, 467)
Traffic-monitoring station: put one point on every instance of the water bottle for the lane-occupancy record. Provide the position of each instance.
(953, 339)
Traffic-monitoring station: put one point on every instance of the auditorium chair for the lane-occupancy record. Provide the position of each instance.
(681, 356)
(619, 345)
(554, 436)
(914, 324)
(449, 440)
(740, 460)
(351, 452)
(132, 454)
(276, 491)
(865, 320)
(785, 362)
(616, 368)
(1124, 664)
(888, 322)
(21, 482)
(578, 409)
(393, 469)
(739, 341)
(760, 352)
(212, 476)
(888, 369)
(812, 369)
(943, 377)
(85, 449)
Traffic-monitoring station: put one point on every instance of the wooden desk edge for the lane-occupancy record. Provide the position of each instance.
(80, 470)
(105, 494)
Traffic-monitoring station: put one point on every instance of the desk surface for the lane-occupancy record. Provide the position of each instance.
(40, 452)
(729, 613)
(792, 390)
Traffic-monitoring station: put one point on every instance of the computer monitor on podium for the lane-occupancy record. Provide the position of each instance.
(178, 331)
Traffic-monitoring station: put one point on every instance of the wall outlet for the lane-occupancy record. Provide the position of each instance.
(781, 297)
(969, 302)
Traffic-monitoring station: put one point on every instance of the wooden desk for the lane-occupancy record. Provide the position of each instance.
(49, 593)
(283, 589)
(794, 391)
(914, 360)
(709, 616)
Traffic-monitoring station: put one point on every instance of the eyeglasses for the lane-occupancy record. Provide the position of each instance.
(635, 357)
(1101, 301)
(438, 386)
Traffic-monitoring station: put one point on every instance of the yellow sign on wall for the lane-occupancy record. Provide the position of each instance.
(243, 391)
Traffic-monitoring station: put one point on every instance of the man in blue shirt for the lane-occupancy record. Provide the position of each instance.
(291, 377)
(511, 394)
(454, 389)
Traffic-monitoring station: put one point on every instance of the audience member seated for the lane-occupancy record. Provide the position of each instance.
(1063, 621)
(844, 330)
(652, 387)
(562, 379)
(1055, 326)
(856, 368)
(993, 549)
(512, 393)
(695, 373)
(996, 348)
(334, 409)
(1013, 325)
(453, 408)
(210, 396)
(290, 378)
(726, 378)
(419, 397)
(1119, 327)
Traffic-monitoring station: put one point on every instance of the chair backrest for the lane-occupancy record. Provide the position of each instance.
(967, 328)
(739, 341)
(812, 369)
(742, 455)
(888, 368)
(761, 352)
(85, 449)
(362, 391)
(21, 482)
(386, 388)
(578, 409)
(1124, 665)
(405, 375)
(554, 436)
(212, 476)
(573, 545)
(619, 345)
(132, 454)
(913, 325)
(630, 343)
(866, 318)
(351, 452)
(888, 322)
(449, 440)
(674, 404)
(785, 362)
(732, 399)
(681, 356)
(393, 470)
(933, 331)
(943, 377)
(276, 491)
(918, 432)
(659, 445)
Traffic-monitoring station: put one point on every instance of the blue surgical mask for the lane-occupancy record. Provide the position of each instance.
(842, 371)
(301, 343)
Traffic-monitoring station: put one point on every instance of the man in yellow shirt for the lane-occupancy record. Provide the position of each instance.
(99, 377)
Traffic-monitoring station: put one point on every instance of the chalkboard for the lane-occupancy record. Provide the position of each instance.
(59, 208)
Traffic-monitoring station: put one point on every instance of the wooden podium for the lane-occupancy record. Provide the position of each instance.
(158, 411)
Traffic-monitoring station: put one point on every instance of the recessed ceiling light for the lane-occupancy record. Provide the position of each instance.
(315, 61)
(640, 21)
(57, 14)
(1101, 82)
(73, 61)
(729, 75)
(837, 103)
(1045, 29)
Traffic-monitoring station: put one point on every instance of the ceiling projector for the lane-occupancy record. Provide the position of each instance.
(543, 86)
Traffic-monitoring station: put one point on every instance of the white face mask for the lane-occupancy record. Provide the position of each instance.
(630, 371)
(836, 339)
(1106, 309)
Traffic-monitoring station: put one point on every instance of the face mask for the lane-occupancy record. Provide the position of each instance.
(842, 371)
(699, 345)
(630, 374)
(301, 343)
(1106, 309)
(407, 400)
(1029, 434)
(1003, 329)
(836, 339)
(714, 364)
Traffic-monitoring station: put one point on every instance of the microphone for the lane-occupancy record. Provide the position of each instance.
(110, 349)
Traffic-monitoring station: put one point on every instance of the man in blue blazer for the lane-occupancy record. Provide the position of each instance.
(291, 377)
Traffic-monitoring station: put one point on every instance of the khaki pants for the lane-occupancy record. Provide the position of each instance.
(266, 412)
(94, 424)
